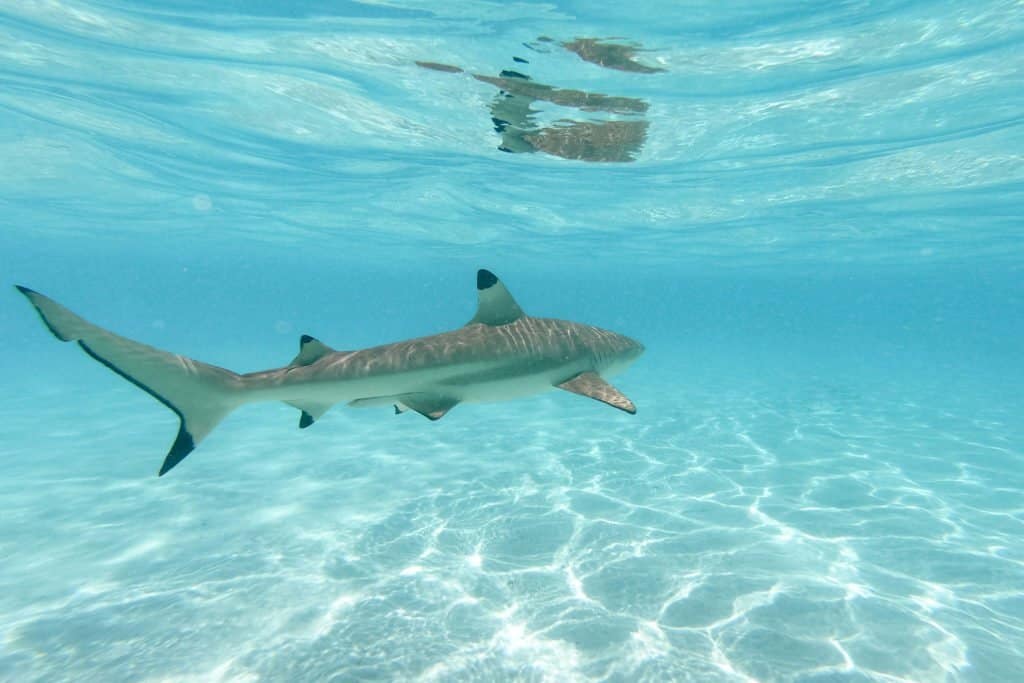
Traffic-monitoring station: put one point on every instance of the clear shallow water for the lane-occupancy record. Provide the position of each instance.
(817, 240)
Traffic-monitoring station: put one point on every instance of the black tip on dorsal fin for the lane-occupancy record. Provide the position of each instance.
(495, 306)
(485, 279)
(311, 350)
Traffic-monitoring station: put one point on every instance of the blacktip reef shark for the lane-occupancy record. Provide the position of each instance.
(501, 353)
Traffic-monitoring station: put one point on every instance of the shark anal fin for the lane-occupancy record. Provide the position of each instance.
(310, 351)
(591, 384)
(430, 406)
(495, 305)
(311, 412)
(372, 401)
(379, 401)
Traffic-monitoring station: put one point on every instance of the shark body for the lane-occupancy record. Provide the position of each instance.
(500, 354)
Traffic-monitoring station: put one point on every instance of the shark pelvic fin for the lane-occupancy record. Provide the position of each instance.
(430, 406)
(495, 305)
(311, 412)
(310, 351)
(591, 384)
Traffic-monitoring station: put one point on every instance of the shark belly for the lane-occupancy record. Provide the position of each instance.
(476, 382)
(501, 389)
(500, 384)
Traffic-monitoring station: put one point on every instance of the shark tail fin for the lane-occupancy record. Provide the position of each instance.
(201, 395)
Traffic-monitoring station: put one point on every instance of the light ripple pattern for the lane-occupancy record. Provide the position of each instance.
(805, 536)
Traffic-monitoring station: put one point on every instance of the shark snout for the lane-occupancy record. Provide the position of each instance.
(633, 348)
(627, 350)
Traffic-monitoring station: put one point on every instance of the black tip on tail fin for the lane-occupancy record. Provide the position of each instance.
(183, 445)
(33, 296)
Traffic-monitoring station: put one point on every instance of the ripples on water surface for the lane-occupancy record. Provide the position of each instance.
(809, 213)
(822, 130)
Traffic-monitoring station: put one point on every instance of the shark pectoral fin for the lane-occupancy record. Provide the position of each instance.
(310, 351)
(430, 406)
(495, 305)
(311, 412)
(399, 409)
(591, 385)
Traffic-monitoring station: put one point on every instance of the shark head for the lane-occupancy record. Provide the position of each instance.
(617, 353)
(612, 352)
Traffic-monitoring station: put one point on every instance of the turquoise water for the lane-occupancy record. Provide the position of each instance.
(810, 214)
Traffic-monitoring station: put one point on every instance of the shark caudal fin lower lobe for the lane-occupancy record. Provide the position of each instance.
(200, 395)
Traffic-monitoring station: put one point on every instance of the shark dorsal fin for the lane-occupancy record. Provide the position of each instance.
(311, 350)
(496, 306)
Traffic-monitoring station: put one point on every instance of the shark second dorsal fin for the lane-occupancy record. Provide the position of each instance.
(495, 305)
(310, 350)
